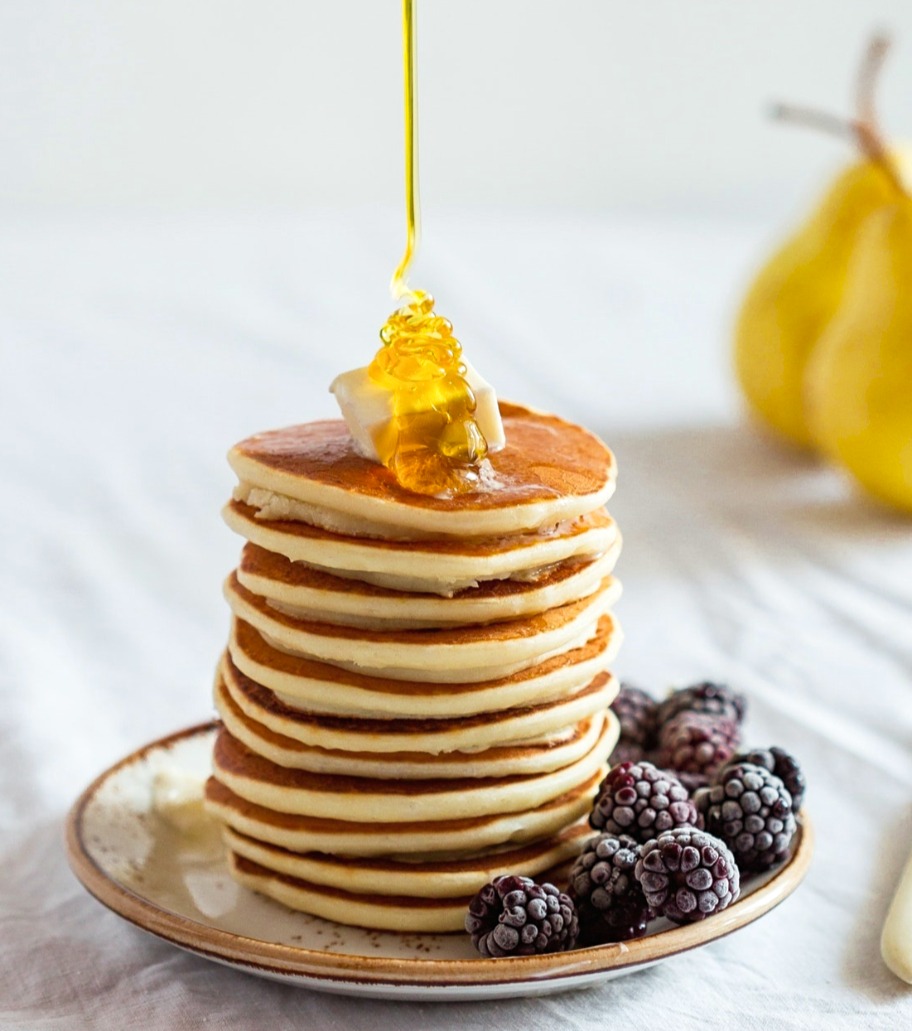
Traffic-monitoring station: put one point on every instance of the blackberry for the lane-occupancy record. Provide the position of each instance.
(636, 712)
(609, 900)
(687, 874)
(640, 800)
(751, 810)
(714, 699)
(697, 744)
(626, 752)
(691, 781)
(514, 916)
(783, 764)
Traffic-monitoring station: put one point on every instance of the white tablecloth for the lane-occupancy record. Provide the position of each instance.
(137, 349)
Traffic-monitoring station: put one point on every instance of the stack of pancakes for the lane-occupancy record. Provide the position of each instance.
(415, 693)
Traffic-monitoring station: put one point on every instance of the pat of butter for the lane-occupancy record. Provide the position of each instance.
(177, 797)
(367, 407)
(896, 941)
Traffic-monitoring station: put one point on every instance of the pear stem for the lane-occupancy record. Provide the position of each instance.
(815, 119)
(868, 76)
(864, 129)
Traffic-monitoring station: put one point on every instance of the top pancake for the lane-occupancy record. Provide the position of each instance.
(550, 470)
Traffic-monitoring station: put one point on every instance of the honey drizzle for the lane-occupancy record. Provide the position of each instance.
(399, 285)
(432, 444)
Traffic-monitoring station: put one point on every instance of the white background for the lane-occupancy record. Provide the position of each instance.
(584, 103)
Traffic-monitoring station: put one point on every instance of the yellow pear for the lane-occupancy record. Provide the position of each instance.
(859, 377)
(795, 296)
(798, 291)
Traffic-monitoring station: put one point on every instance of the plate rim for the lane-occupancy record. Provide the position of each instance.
(366, 970)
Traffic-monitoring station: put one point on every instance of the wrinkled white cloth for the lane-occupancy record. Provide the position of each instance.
(137, 349)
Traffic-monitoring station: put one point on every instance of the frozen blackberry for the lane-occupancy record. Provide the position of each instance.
(780, 762)
(514, 916)
(636, 712)
(687, 875)
(692, 781)
(697, 744)
(640, 800)
(751, 811)
(714, 699)
(609, 900)
(626, 752)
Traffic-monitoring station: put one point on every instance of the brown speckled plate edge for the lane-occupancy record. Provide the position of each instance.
(411, 978)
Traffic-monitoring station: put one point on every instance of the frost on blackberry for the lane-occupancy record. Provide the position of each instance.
(706, 697)
(609, 900)
(640, 800)
(626, 752)
(636, 712)
(783, 764)
(696, 744)
(687, 875)
(514, 916)
(750, 809)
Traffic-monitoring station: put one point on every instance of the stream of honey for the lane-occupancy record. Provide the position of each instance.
(432, 444)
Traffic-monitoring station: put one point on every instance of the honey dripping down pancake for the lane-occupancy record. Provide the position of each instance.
(433, 443)
(549, 471)
(416, 690)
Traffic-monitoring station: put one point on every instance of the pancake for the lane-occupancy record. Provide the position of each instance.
(439, 838)
(318, 687)
(441, 656)
(435, 567)
(415, 695)
(390, 913)
(548, 471)
(383, 801)
(420, 878)
(467, 734)
(549, 752)
(307, 593)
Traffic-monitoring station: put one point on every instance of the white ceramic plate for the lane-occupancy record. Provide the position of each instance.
(174, 883)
